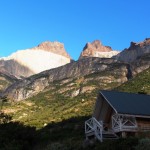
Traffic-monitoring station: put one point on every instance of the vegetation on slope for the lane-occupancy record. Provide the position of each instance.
(140, 84)
(59, 120)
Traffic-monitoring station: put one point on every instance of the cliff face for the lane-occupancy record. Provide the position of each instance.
(96, 49)
(27, 62)
(134, 51)
(34, 84)
(140, 64)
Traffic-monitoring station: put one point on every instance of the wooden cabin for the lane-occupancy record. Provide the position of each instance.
(118, 114)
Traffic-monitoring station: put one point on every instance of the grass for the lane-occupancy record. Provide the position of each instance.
(48, 107)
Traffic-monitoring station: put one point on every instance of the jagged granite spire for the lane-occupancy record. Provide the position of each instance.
(96, 49)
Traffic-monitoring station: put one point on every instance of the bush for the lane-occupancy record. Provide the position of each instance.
(119, 144)
(56, 146)
(144, 144)
(16, 136)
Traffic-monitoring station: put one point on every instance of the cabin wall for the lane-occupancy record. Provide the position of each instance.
(102, 110)
(143, 123)
(97, 108)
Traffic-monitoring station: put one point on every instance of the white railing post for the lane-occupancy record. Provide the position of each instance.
(120, 122)
(98, 129)
(92, 125)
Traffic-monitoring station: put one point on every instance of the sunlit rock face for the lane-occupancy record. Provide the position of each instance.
(96, 49)
(24, 63)
(135, 51)
(54, 47)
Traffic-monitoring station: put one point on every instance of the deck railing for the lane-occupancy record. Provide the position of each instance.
(123, 123)
(92, 126)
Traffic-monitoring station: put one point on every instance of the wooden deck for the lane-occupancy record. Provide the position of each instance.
(120, 124)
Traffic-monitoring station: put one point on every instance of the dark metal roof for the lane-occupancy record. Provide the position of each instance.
(128, 103)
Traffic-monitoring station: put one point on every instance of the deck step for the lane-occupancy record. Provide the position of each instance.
(106, 135)
(109, 135)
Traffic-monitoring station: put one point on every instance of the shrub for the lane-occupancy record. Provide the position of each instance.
(144, 144)
(56, 146)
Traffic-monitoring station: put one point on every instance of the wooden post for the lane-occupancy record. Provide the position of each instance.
(123, 134)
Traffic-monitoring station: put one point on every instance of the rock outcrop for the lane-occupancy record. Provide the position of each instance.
(96, 49)
(135, 51)
(142, 63)
(27, 62)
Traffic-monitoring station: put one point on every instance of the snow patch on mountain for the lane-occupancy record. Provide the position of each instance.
(37, 60)
(106, 54)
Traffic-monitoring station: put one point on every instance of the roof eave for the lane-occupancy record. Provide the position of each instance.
(140, 116)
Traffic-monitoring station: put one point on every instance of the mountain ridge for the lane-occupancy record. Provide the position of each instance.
(111, 68)
(37, 83)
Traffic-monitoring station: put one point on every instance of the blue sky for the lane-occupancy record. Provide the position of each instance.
(27, 23)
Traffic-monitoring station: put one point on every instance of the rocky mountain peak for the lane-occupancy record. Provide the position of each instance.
(24, 63)
(54, 47)
(96, 49)
(96, 45)
(136, 49)
(142, 44)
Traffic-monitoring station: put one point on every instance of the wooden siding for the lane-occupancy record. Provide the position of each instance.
(103, 110)
(143, 123)
(98, 107)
